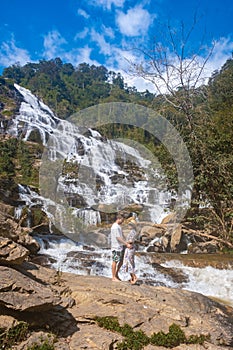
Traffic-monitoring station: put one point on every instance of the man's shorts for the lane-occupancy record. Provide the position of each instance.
(117, 255)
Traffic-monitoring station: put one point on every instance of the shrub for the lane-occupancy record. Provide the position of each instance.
(137, 340)
(13, 335)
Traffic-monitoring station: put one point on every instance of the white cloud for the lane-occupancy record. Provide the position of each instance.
(107, 4)
(140, 83)
(11, 54)
(81, 35)
(80, 55)
(135, 22)
(83, 13)
(105, 48)
(52, 44)
(222, 51)
(108, 31)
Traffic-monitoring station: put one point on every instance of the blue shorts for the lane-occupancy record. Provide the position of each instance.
(117, 255)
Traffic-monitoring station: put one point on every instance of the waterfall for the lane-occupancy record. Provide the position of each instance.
(33, 115)
(81, 171)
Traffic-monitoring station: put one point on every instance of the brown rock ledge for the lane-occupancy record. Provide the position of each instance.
(149, 308)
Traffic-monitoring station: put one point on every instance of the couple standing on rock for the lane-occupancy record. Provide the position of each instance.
(123, 251)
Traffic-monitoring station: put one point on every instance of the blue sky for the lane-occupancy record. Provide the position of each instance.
(106, 31)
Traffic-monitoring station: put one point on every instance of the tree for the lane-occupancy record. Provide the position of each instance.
(175, 71)
(177, 74)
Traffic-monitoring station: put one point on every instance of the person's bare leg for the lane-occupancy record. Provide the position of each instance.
(118, 269)
(133, 278)
(114, 272)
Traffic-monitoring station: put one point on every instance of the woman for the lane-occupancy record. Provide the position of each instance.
(129, 255)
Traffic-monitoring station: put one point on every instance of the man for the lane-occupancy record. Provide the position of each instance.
(118, 245)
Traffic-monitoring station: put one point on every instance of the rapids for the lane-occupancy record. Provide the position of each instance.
(65, 255)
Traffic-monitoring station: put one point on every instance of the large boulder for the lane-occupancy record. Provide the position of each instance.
(22, 293)
(152, 231)
(177, 243)
(11, 253)
(11, 229)
(30, 243)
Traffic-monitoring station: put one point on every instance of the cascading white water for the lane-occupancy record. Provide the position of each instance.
(95, 161)
(69, 256)
(33, 115)
(208, 280)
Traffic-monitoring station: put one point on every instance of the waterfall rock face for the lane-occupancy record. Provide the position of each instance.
(81, 172)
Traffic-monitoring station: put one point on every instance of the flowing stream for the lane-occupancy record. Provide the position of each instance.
(68, 256)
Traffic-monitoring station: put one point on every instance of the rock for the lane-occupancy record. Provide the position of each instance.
(176, 243)
(11, 253)
(175, 274)
(37, 339)
(30, 243)
(6, 322)
(151, 309)
(134, 208)
(10, 228)
(91, 338)
(21, 293)
(169, 219)
(150, 232)
(203, 247)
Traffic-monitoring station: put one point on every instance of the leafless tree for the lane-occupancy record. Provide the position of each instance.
(175, 71)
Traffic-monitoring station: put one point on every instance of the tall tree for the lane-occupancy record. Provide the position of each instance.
(178, 75)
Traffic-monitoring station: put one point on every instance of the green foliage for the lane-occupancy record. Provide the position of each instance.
(19, 333)
(44, 345)
(108, 322)
(17, 160)
(198, 339)
(173, 338)
(7, 153)
(137, 340)
(67, 89)
(13, 335)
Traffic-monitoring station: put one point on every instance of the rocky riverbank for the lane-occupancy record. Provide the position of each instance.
(39, 305)
(50, 303)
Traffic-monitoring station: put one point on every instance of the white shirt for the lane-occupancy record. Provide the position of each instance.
(116, 231)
